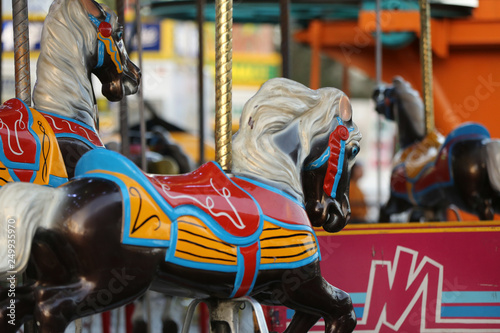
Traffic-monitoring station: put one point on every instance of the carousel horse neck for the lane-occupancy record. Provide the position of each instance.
(63, 82)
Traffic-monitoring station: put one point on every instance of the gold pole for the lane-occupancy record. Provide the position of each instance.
(426, 63)
(223, 82)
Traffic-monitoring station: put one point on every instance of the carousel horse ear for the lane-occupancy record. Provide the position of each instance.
(345, 109)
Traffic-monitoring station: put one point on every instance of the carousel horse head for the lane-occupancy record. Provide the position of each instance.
(305, 141)
(402, 104)
(81, 37)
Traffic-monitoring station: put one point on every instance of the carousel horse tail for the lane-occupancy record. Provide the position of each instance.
(24, 208)
(493, 163)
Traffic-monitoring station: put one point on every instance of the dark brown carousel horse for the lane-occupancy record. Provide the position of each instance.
(432, 172)
(103, 239)
(43, 144)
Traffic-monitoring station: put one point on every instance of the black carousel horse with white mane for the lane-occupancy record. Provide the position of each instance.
(104, 238)
(432, 172)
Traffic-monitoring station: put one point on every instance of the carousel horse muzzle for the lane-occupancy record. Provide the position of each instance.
(338, 214)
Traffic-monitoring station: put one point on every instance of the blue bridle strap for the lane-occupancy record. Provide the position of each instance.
(100, 45)
(320, 161)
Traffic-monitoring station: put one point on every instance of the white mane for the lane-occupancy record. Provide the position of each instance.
(63, 75)
(278, 106)
(411, 102)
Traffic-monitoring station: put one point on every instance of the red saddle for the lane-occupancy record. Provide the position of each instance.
(210, 190)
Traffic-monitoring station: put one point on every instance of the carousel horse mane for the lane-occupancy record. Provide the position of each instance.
(411, 104)
(278, 107)
(26, 210)
(63, 81)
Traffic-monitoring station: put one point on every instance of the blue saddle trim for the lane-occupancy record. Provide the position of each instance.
(272, 189)
(103, 159)
(23, 165)
(300, 263)
(240, 273)
(468, 129)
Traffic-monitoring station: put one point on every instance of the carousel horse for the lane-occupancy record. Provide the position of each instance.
(432, 172)
(42, 144)
(101, 240)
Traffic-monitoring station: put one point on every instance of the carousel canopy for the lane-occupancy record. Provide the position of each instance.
(302, 11)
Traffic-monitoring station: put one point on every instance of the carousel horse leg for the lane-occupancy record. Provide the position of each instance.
(307, 291)
(52, 315)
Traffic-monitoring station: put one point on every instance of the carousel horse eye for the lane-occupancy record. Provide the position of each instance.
(354, 151)
(119, 34)
(105, 29)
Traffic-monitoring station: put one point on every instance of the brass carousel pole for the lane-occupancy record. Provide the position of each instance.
(125, 146)
(426, 64)
(223, 82)
(21, 50)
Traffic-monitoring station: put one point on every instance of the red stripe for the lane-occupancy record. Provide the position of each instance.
(249, 254)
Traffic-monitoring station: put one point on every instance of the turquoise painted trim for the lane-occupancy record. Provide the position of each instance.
(127, 216)
(110, 42)
(359, 312)
(289, 226)
(358, 298)
(240, 272)
(71, 120)
(94, 20)
(100, 54)
(320, 161)
(450, 297)
(111, 161)
(79, 137)
(270, 188)
(257, 269)
(13, 175)
(470, 312)
(174, 231)
(340, 166)
(55, 181)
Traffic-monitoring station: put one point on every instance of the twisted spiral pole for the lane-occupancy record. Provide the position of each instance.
(426, 64)
(21, 50)
(223, 82)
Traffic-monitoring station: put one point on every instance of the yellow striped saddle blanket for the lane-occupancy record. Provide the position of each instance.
(207, 220)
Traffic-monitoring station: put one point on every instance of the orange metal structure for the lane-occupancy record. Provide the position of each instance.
(466, 57)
